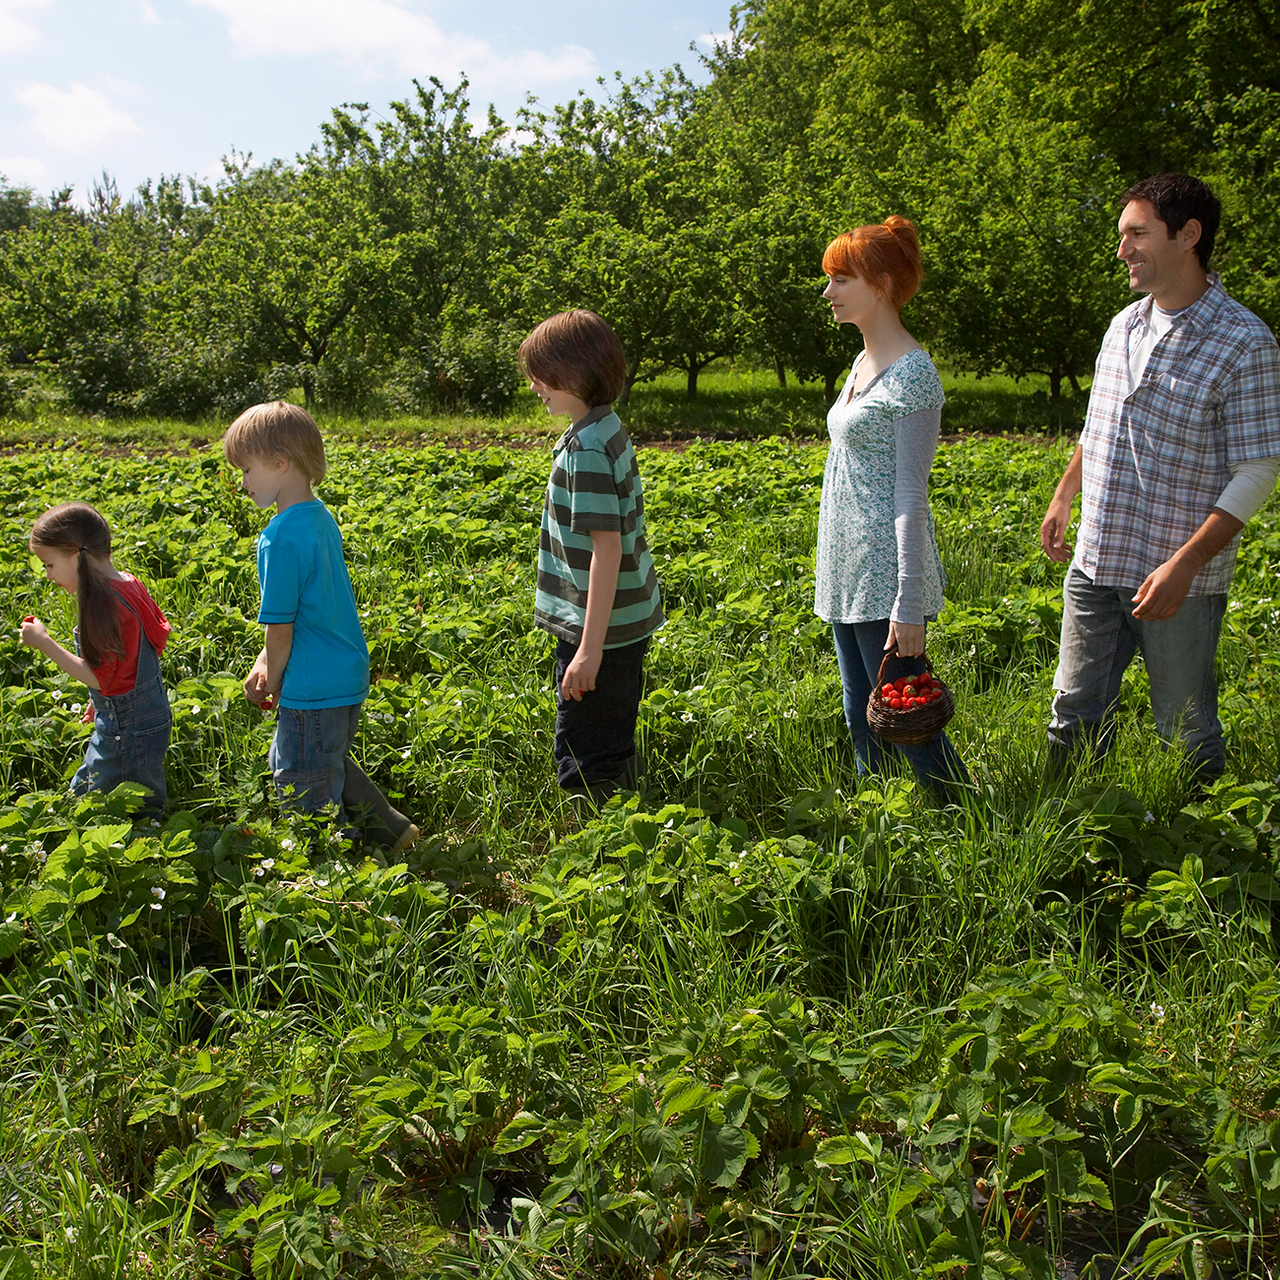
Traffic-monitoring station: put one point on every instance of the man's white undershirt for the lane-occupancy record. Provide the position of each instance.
(1143, 343)
(1251, 482)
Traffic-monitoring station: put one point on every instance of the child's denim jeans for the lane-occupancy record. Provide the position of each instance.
(130, 735)
(309, 755)
(312, 767)
(596, 737)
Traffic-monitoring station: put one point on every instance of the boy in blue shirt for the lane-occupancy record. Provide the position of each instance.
(315, 662)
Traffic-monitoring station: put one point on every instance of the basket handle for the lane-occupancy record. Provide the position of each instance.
(892, 652)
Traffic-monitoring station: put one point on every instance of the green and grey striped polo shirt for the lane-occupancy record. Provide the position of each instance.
(595, 485)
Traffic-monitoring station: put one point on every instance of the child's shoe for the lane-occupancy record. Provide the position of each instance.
(406, 839)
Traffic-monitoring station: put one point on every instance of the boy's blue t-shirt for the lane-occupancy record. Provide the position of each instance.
(304, 580)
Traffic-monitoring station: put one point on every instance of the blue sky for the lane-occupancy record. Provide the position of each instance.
(144, 87)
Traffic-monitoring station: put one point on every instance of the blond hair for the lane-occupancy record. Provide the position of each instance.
(276, 430)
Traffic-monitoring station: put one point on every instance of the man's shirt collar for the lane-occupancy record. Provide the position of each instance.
(1199, 312)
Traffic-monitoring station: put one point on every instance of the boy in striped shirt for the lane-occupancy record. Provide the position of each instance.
(597, 591)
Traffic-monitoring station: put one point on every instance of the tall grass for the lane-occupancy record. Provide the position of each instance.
(543, 955)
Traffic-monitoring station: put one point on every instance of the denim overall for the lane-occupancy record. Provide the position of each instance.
(130, 732)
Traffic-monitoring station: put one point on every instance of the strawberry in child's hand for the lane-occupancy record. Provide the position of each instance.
(268, 703)
(31, 617)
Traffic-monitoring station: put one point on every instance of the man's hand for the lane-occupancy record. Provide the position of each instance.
(1057, 519)
(1053, 531)
(1162, 593)
(580, 674)
(1166, 587)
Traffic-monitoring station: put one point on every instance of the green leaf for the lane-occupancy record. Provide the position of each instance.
(967, 1098)
(722, 1154)
(846, 1148)
(767, 1082)
(266, 1248)
(369, 1039)
(523, 1130)
(10, 941)
(947, 1251)
(682, 1095)
(736, 1101)
(15, 1265)
(948, 1129)
(105, 837)
(1128, 1111)
(174, 1167)
(304, 1238)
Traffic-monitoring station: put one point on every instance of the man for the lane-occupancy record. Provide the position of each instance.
(1181, 445)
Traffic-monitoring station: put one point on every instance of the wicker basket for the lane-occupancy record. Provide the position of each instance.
(914, 725)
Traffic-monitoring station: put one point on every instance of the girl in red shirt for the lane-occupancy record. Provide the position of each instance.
(120, 636)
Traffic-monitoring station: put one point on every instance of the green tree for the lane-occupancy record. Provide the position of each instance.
(439, 190)
(1247, 176)
(1007, 129)
(1017, 216)
(294, 256)
(73, 300)
(615, 214)
(17, 206)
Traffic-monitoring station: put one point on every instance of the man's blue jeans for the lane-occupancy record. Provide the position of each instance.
(1099, 638)
(859, 651)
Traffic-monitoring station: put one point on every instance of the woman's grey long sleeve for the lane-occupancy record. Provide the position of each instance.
(916, 441)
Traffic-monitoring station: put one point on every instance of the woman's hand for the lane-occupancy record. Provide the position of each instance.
(908, 637)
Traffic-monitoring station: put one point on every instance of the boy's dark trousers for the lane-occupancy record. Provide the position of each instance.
(596, 738)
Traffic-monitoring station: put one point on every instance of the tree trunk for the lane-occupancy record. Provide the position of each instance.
(829, 386)
(1055, 386)
(1075, 384)
(629, 381)
(309, 389)
(691, 381)
(781, 370)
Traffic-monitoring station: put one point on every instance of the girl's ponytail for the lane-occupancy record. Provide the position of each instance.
(77, 527)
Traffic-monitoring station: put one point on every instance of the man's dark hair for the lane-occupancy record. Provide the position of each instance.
(1177, 199)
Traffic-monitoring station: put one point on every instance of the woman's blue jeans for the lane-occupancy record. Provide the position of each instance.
(859, 650)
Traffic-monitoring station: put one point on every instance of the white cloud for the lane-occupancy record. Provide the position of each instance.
(16, 34)
(76, 120)
(147, 14)
(713, 38)
(389, 31)
(26, 171)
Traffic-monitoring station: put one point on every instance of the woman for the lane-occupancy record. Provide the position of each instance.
(879, 575)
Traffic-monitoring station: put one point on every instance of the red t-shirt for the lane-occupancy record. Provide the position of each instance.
(119, 675)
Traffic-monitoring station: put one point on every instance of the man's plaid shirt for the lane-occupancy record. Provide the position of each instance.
(1156, 459)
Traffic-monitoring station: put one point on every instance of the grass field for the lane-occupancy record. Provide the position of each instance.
(753, 1022)
(736, 403)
